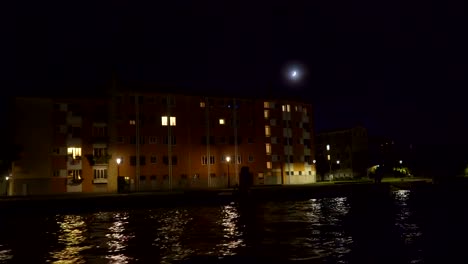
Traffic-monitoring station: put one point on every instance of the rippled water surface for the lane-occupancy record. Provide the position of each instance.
(328, 230)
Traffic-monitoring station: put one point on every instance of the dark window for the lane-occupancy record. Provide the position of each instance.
(142, 160)
(222, 140)
(142, 178)
(133, 160)
(133, 140)
(153, 177)
(174, 160)
(153, 159)
(173, 141)
(165, 177)
(142, 140)
(250, 140)
(183, 176)
(76, 132)
(166, 160)
(232, 140)
(307, 159)
(212, 140)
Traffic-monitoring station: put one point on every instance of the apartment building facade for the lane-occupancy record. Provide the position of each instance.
(157, 141)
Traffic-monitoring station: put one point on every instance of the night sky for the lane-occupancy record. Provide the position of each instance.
(397, 67)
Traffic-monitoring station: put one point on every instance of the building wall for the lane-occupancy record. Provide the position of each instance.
(33, 130)
(107, 129)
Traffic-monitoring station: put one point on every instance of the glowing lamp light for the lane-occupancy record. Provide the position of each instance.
(314, 161)
(7, 178)
(118, 160)
(401, 162)
(228, 159)
(337, 162)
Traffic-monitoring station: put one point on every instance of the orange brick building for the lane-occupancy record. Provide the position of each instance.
(163, 141)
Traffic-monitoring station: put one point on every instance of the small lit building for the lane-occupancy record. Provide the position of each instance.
(342, 153)
(162, 141)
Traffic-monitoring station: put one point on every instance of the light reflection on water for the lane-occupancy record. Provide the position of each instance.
(310, 230)
(410, 231)
(71, 240)
(5, 254)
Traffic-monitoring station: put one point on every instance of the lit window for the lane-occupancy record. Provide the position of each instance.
(328, 157)
(268, 148)
(202, 104)
(288, 108)
(266, 104)
(266, 113)
(296, 108)
(172, 120)
(268, 164)
(221, 121)
(283, 107)
(74, 152)
(328, 147)
(132, 122)
(267, 131)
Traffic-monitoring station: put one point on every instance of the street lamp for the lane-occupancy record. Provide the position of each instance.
(228, 159)
(338, 162)
(118, 160)
(401, 162)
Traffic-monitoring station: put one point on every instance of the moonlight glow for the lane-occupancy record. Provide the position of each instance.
(294, 73)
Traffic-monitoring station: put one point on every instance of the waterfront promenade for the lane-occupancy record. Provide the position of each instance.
(106, 201)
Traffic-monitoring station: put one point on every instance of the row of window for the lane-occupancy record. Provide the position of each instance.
(212, 140)
(174, 160)
(285, 107)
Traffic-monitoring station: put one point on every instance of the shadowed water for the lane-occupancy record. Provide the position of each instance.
(327, 230)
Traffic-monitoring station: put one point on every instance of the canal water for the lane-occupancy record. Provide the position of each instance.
(326, 230)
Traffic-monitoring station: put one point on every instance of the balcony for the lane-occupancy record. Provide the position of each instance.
(99, 140)
(100, 181)
(98, 160)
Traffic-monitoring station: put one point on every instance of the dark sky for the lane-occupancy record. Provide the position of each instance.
(397, 66)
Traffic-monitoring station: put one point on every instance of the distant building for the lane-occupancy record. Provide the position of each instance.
(163, 141)
(342, 153)
(391, 153)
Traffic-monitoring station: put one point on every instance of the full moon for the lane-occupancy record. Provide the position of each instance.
(294, 73)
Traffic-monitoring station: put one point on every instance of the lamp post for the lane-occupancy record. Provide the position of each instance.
(228, 159)
(118, 160)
